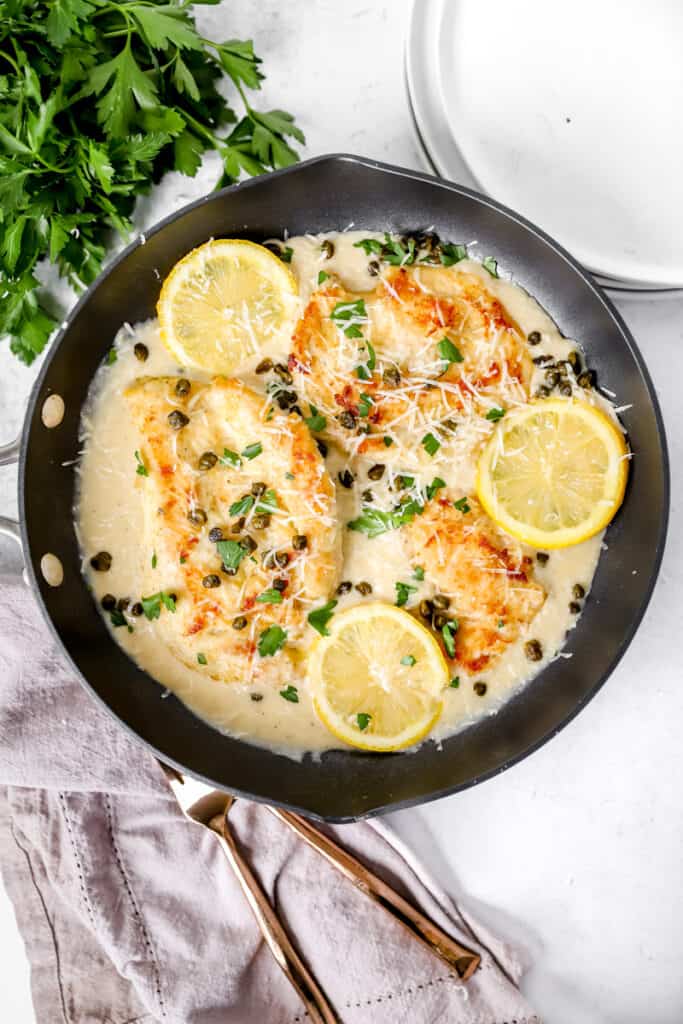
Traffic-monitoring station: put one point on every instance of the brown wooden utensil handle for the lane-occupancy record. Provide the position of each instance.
(286, 956)
(464, 960)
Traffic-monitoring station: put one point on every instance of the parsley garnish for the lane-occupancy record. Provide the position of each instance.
(271, 596)
(111, 357)
(322, 276)
(431, 444)
(141, 469)
(370, 246)
(501, 623)
(117, 618)
(495, 414)
(241, 507)
(348, 316)
(364, 404)
(316, 421)
(201, 658)
(491, 265)
(408, 660)
(462, 505)
(154, 560)
(270, 641)
(363, 720)
(229, 458)
(252, 450)
(152, 605)
(451, 254)
(448, 633)
(403, 592)
(182, 559)
(418, 573)
(374, 521)
(392, 251)
(455, 682)
(286, 254)
(319, 617)
(436, 485)
(449, 352)
(289, 476)
(291, 694)
(98, 100)
(231, 553)
(388, 441)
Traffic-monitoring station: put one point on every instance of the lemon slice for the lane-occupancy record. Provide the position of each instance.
(377, 679)
(553, 472)
(223, 301)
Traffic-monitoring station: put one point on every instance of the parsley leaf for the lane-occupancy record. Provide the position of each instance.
(230, 552)
(455, 682)
(229, 458)
(271, 596)
(403, 592)
(321, 616)
(252, 450)
(449, 352)
(495, 414)
(363, 720)
(201, 658)
(435, 486)
(431, 444)
(364, 404)
(451, 254)
(316, 421)
(388, 441)
(154, 560)
(462, 505)
(448, 633)
(349, 317)
(322, 276)
(271, 641)
(290, 693)
(491, 265)
(141, 468)
(152, 605)
(418, 573)
(242, 506)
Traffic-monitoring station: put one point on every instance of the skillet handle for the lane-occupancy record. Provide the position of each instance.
(9, 455)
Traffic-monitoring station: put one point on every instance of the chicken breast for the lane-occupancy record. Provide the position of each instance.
(240, 513)
(484, 573)
(416, 364)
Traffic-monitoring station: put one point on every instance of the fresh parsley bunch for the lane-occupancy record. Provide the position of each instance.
(97, 99)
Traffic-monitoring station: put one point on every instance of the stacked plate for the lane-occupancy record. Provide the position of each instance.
(569, 114)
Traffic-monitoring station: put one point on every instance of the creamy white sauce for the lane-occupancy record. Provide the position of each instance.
(109, 517)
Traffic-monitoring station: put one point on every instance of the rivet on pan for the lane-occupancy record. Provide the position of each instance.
(52, 570)
(52, 412)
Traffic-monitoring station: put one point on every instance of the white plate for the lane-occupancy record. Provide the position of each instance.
(568, 113)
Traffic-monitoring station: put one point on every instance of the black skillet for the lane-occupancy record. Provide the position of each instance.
(327, 194)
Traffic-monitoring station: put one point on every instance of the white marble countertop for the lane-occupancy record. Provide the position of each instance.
(579, 848)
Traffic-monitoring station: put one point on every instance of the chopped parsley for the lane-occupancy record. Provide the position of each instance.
(436, 485)
(348, 317)
(289, 476)
(501, 623)
(455, 682)
(152, 605)
(363, 720)
(388, 441)
(448, 633)
(111, 357)
(271, 596)
(316, 421)
(409, 660)
(418, 573)
(449, 352)
(322, 276)
(201, 658)
(241, 507)
(286, 254)
(291, 694)
(321, 616)
(431, 444)
(154, 560)
(252, 450)
(391, 250)
(182, 559)
(495, 414)
(403, 592)
(451, 254)
(270, 641)
(364, 371)
(491, 265)
(364, 404)
(374, 521)
(117, 618)
(141, 469)
(370, 246)
(229, 458)
(231, 553)
(462, 505)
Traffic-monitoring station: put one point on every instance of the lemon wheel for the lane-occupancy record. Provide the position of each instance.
(377, 679)
(223, 301)
(553, 472)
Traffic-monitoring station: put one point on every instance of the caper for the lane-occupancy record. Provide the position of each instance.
(258, 489)
(367, 496)
(264, 366)
(346, 478)
(534, 338)
(542, 557)
(391, 377)
(286, 398)
(197, 516)
(364, 588)
(480, 689)
(229, 570)
(542, 360)
(363, 428)
(177, 419)
(211, 581)
(108, 602)
(296, 409)
(574, 607)
(566, 389)
(182, 386)
(283, 373)
(280, 584)
(441, 602)
(374, 268)
(248, 544)
(261, 522)
(322, 447)
(574, 360)
(403, 482)
(122, 603)
(578, 591)
(208, 460)
(327, 248)
(376, 472)
(137, 609)
(140, 351)
(586, 379)
(300, 542)
(101, 562)
(533, 650)
(542, 391)
(552, 378)
(450, 425)
(256, 697)
(426, 609)
(439, 620)
(344, 587)
(173, 597)
(239, 524)
(282, 559)
(347, 419)
(239, 622)
(215, 534)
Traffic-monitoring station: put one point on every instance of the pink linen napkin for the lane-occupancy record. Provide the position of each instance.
(130, 912)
